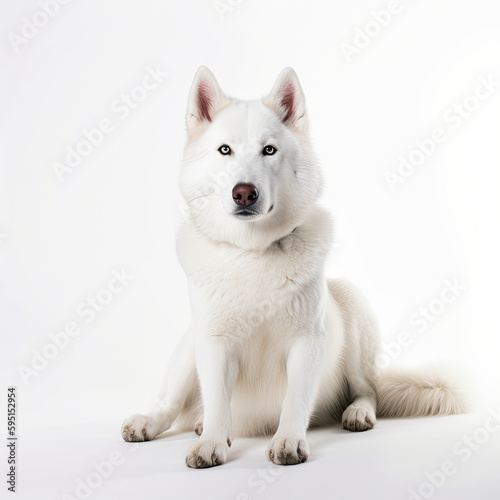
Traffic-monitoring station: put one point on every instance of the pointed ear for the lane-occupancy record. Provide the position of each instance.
(287, 100)
(205, 99)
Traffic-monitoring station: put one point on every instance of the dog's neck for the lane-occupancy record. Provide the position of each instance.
(250, 237)
(286, 236)
(269, 244)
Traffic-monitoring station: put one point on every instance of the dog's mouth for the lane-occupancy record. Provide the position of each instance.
(249, 214)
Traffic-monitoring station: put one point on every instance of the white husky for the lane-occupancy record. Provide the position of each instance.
(274, 346)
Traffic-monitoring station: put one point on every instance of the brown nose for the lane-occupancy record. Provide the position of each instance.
(245, 194)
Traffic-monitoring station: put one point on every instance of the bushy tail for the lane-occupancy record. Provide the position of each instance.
(405, 393)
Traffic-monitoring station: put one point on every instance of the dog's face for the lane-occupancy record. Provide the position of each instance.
(248, 175)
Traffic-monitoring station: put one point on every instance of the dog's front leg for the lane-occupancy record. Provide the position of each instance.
(217, 366)
(303, 366)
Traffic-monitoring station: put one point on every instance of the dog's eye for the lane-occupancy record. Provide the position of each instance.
(268, 150)
(224, 150)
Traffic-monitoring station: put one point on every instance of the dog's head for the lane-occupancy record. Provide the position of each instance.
(249, 176)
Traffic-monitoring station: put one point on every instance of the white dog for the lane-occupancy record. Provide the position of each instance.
(274, 346)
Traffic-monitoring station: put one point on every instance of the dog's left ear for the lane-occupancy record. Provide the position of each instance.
(205, 99)
(287, 100)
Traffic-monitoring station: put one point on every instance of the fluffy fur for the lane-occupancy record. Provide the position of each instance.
(274, 346)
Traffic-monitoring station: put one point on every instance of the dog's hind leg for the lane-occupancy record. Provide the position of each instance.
(361, 347)
(361, 374)
(180, 382)
(360, 414)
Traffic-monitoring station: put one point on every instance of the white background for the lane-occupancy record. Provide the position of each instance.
(119, 208)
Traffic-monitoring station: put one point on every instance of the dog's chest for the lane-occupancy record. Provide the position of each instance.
(241, 291)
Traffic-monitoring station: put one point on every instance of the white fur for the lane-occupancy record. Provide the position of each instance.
(274, 346)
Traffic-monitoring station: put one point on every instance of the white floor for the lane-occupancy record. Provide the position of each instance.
(384, 464)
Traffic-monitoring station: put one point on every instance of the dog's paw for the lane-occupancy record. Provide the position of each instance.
(287, 451)
(139, 428)
(358, 418)
(203, 454)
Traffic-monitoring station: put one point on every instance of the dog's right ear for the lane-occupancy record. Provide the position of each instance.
(205, 99)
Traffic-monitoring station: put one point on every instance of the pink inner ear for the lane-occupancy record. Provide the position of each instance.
(288, 100)
(204, 101)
